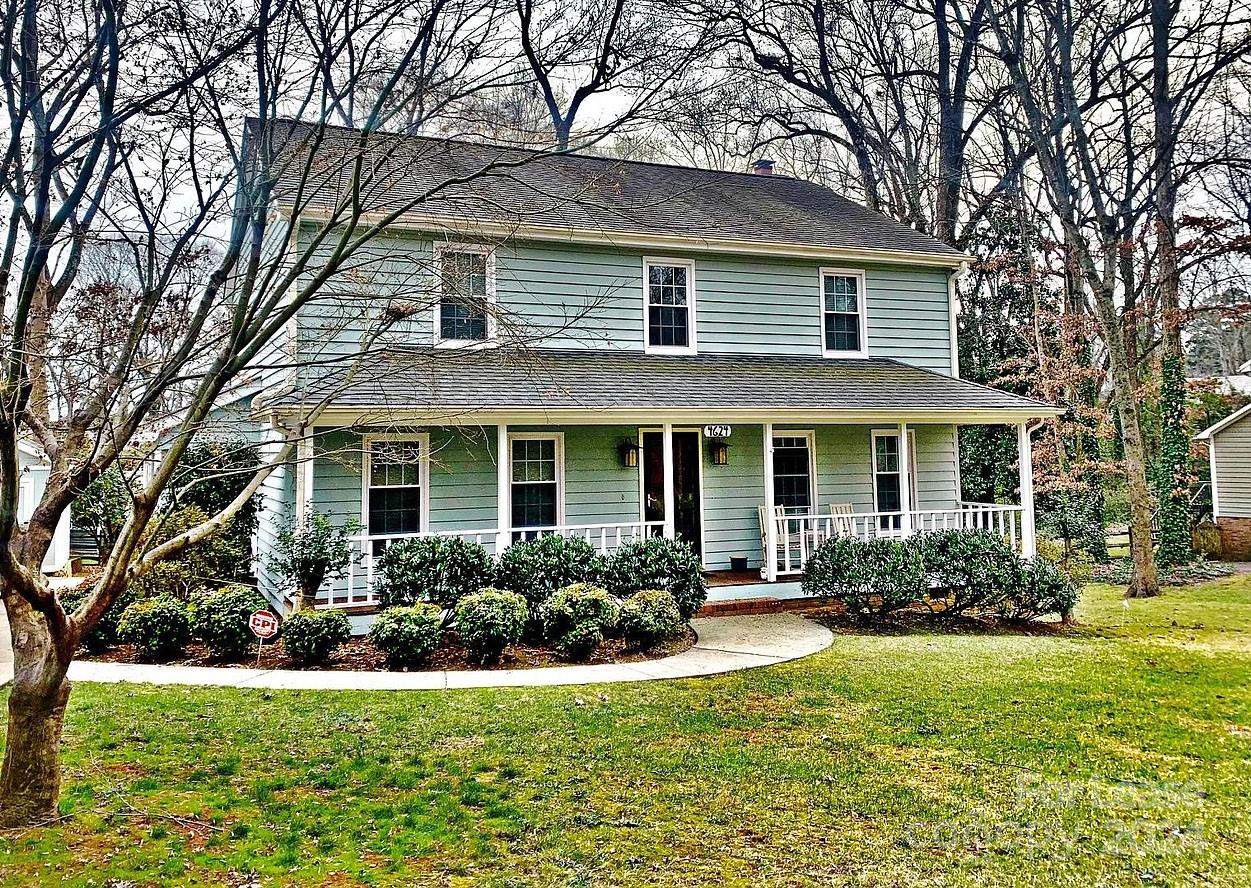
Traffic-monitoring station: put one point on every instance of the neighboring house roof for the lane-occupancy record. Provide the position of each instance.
(576, 193)
(1237, 415)
(584, 380)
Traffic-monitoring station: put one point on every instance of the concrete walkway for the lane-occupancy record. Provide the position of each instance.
(724, 644)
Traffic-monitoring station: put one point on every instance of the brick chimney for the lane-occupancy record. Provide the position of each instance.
(762, 167)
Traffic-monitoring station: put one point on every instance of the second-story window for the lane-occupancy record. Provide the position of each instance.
(842, 313)
(466, 294)
(669, 293)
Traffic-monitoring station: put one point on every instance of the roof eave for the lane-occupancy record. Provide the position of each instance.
(592, 415)
(1206, 434)
(572, 234)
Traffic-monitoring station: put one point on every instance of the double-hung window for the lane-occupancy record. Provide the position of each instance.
(395, 485)
(466, 276)
(843, 325)
(887, 489)
(669, 305)
(537, 475)
(792, 472)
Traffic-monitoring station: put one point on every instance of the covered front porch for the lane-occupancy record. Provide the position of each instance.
(752, 460)
(755, 500)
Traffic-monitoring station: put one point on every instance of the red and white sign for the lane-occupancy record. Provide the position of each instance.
(263, 624)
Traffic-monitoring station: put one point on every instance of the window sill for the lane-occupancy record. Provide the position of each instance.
(844, 354)
(468, 344)
(669, 350)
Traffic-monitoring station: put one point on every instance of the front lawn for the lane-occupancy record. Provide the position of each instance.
(1116, 754)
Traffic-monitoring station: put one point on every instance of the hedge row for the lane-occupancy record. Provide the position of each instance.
(954, 572)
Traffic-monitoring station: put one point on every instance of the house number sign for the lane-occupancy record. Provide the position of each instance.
(717, 431)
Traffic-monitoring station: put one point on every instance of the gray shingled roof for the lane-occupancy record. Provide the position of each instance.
(499, 379)
(514, 186)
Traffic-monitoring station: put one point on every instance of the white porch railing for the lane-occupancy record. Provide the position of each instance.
(356, 588)
(797, 536)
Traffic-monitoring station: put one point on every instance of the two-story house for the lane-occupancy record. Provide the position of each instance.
(611, 349)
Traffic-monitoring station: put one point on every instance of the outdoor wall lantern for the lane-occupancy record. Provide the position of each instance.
(720, 452)
(629, 452)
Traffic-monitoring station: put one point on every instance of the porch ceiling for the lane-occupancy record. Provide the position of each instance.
(604, 385)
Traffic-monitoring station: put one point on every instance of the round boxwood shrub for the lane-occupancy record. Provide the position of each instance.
(579, 642)
(310, 636)
(439, 570)
(1044, 589)
(538, 568)
(968, 569)
(648, 618)
(103, 634)
(408, 635)
(490, 620)
(659, 563)
(577, 605)
(870, 578)
(157, 626)
(220, 620)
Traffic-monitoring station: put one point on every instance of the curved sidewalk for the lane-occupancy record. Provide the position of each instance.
(724, 644)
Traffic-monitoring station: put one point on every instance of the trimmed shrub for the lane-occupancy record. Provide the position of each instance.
(538, 568)
(577, 605)
(659, 563)
(440, 570)
(870, 578)
(220, 620)
(580, 642)
(158, 627)
(649, 617)
(1045, 589)
(310, 636)
(408, 635)
(490, 620)
(968, 570)
(103, 634)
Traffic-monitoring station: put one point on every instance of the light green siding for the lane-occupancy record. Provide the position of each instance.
(572, 296)
(733, 494)
(597, 488)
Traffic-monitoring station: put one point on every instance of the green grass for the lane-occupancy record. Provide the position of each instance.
(1116, 754)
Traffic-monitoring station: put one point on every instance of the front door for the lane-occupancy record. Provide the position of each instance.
(686, 457)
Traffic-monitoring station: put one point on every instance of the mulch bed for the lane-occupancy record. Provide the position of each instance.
(359, 655)
(922, 620)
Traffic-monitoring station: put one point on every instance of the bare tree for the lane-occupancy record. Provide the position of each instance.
(137, 193)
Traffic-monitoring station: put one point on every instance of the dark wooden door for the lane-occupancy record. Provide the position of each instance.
(686, 460)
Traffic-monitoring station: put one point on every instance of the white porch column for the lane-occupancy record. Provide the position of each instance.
(1025, 469)
(905, 481)
(303, 476)
(771, 527)
(670, 529)
(503, 490)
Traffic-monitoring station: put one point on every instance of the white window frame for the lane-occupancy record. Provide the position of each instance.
(811, 435)
(559, 438)
(912, 462)
(692, 346)
(440, 249)
(862, 292)
(367, 446)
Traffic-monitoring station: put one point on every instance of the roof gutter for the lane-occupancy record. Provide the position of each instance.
(367, 415)
(570, 234)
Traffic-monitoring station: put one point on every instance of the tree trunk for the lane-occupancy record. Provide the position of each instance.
(30, 781)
